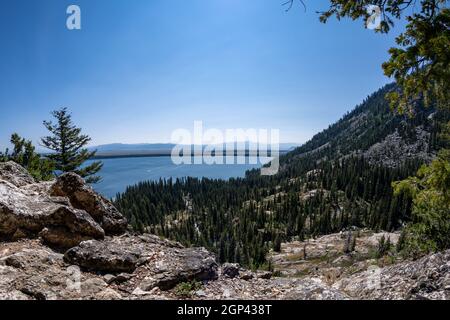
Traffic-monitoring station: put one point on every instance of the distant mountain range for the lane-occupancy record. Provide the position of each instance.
(155, 149)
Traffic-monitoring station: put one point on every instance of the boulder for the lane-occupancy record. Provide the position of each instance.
(33, 272)
(122, 277)
(61, 237)
(83, 197)
(109, 278)
(24, 215)
(230, 270)
(185, 265)
(63, 213)
(164, 264)
(15, 174)
(104, 256)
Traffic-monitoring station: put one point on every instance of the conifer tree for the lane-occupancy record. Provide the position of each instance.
(24, 153)
(277, 243)
(67, 144)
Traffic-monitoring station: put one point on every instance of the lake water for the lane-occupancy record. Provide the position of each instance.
(118, 173)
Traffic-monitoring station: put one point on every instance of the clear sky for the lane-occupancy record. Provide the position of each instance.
(140, 69)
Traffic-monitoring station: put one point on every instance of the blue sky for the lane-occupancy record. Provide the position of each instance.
(140, 69)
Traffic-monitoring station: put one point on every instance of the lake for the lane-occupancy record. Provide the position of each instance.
(118, 173)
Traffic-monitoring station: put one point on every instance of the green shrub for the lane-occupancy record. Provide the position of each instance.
(429, 230)
(186, 289)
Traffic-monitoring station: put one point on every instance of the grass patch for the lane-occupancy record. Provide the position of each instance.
(187, 289)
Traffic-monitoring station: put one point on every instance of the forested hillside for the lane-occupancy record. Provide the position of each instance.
(339, 179)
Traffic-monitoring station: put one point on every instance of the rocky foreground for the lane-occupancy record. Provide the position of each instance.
(61, 240)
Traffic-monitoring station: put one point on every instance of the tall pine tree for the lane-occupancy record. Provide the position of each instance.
(67, 144)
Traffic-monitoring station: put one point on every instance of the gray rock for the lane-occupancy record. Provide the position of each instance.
(29, 271)
(93, 286)
(394, 149)
(264, 275)
(63, 213)
(83, 197)
(104, 256)
(120, 278)
(185, 265)
(8, 276)
(123, 277)
(200, 293)
(108, 294)
(15, 174)
(313, 289)
(426, 278)
(230, 270)
(109, 278)
(35, 273)
(226, 293)
(61, 237)
(247, 275)
(166, 264)
(23, 215)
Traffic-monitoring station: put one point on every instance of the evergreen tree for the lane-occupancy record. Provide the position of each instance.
(67, 144)
(384, 245)
(353, 246)
(420, 63)
(277, 243)
(429, 230)
(348, 243)
(24, 154)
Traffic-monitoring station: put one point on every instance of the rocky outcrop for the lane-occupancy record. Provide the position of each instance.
(426, 278)
(15, 174)
(395, 150)
(165, 264)
(23, 215)
(82, 196)
(104, 256)
(63, 213)
(30, 270)
(181, 265)
(100, 264)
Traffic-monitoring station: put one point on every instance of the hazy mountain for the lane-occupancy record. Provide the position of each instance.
(120, 149)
